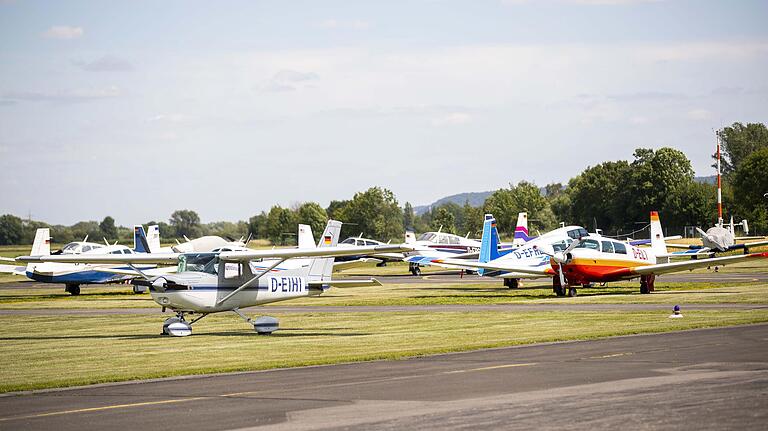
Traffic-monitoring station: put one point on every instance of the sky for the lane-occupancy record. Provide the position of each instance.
(136, 109)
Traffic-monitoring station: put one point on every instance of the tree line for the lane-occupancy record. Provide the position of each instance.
(615, 196)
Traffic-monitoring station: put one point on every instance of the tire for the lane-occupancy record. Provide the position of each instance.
(644, 289)
(559, 291)
(73, 289)
(572, 292)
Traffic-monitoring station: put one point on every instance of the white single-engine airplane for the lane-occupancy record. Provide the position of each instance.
(204, 284)
(598, 260)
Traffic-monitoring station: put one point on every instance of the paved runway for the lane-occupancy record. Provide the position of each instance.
(701, 379)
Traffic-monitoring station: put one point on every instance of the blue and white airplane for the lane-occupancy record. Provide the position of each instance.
(72, 275)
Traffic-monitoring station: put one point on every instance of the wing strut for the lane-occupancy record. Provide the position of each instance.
(251, 281)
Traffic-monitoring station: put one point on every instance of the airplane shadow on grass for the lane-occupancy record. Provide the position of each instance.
(282, 333)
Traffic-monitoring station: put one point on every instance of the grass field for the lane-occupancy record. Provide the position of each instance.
(43, 351)
(39, 353)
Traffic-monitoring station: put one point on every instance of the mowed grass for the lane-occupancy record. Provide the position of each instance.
(43, 352)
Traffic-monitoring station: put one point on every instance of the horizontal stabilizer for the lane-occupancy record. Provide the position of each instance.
(346, 283)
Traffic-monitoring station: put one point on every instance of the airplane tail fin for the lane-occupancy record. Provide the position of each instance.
(521, 230)
(140, 244)
(42, 243)
(489, 246)
(658, 245)
(306, 240)
(153, 238)
(410, 237)
(321, 268)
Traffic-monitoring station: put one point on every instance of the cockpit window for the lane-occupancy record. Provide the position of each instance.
(349, 241)
(86, 248)
(619, 248)
(127, 251)
(589, 244)
(562, 245)
(70, 247)
(607, 246)
(578, 233)
(115, 252)
(371, 243)
(201, 262)
(428, 236)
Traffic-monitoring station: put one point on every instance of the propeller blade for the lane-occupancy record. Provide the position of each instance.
(562, 276)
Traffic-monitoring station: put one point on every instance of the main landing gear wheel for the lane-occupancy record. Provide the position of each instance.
(512, 283)
(647, 283)
(264, 325)
(73, 289)
(177, 326)
(415, 269)
(572, 291)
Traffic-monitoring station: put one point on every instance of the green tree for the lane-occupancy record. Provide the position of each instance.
(376, 213)
(473, 220)
(658, 181)
(598, 194)
(335, 210)
(750, 184)
(83, 229)
(186, 223)
(738, 142)
(314, 215)
(281, 225)
(444, 220)
(408, 216)
(505, 204)
(10, 229)
(108, 228)
(257, 226)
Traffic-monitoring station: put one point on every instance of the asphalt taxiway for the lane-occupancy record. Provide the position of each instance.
(698, 379)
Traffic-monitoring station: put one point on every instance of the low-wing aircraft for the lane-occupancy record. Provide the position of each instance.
(596, 260)
(77, 247)
(72, 275)
(492, 250)
(203, 284)
(430, 248)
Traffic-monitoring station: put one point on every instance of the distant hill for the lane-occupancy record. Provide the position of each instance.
(712, 179)
(475, 199)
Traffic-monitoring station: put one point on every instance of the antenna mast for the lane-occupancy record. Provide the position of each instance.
(719, 187)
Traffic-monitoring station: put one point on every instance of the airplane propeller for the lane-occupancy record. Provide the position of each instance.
(560, 257)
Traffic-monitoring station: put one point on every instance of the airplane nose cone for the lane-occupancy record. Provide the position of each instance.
(159, 284)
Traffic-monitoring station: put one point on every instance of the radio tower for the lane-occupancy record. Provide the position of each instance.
(719, 186)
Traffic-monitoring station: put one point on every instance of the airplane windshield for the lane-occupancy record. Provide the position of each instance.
(349, 241)
(70, 247)
(199, 262)
(590, 244)
(429, 236)
(578, 233)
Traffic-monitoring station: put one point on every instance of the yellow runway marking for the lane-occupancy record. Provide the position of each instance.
(235, 394)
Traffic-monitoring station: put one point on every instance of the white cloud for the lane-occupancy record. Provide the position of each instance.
(699, 114)
(64, 32)
(68, 96)
(453, 118)
(290, 80)
(355, 24)
(107, 63)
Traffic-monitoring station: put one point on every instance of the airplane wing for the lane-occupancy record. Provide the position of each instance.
(245, 256)
(162, 259)
(543, 270)
(664, 268)
(131, 272)
(13, 269)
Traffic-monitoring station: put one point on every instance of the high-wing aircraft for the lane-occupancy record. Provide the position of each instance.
(597, 260)
(72, 275)
(203, 283)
